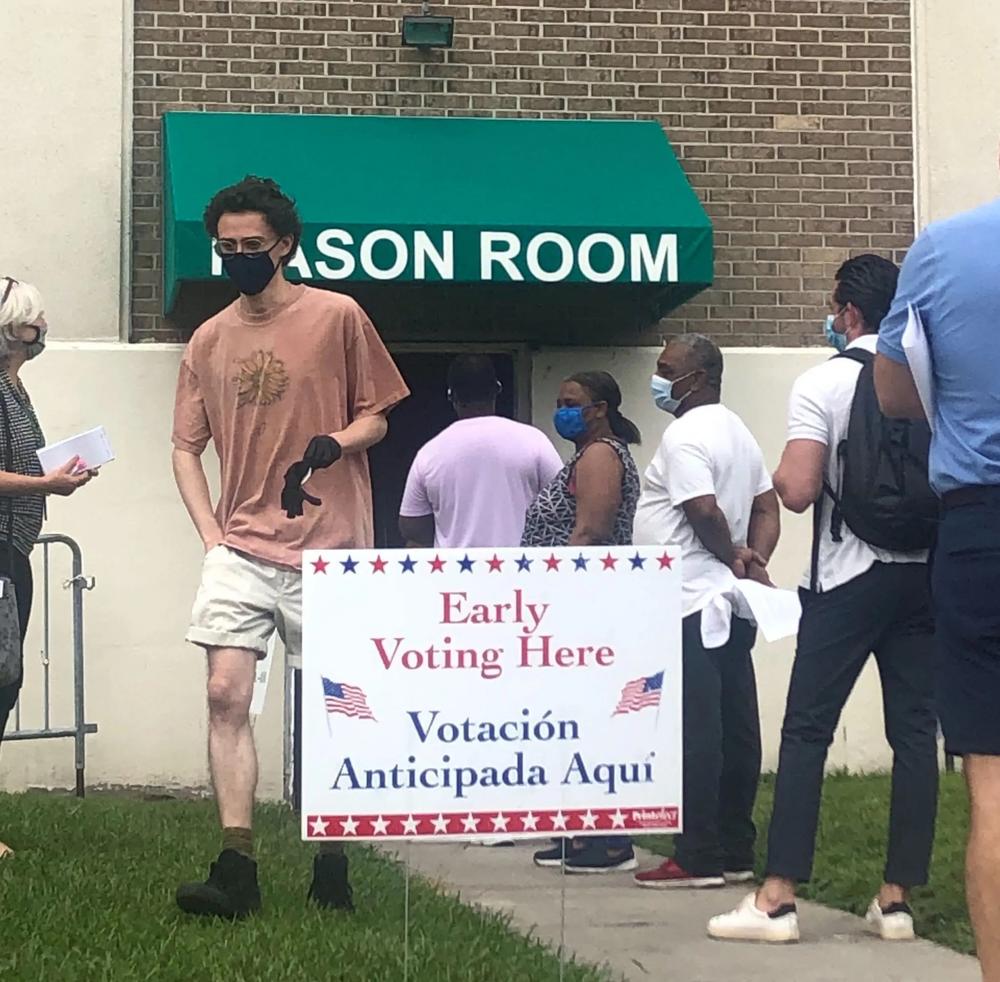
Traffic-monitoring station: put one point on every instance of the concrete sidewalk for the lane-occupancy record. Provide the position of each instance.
(647, 935)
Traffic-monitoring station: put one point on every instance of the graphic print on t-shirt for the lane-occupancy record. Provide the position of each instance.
(261, 381)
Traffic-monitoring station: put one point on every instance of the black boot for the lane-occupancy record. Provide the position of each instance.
(230, 891)
(330, 888)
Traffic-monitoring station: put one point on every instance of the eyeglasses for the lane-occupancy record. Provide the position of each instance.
(11, 283)
(226, 247)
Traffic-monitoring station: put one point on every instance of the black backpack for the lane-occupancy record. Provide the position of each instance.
(885, 497)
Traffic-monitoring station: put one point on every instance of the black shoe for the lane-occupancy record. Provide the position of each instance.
(554, 856)
(330, 888)
(598, 858)
(230, 891)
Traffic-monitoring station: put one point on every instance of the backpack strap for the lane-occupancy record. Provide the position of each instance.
(860, 355)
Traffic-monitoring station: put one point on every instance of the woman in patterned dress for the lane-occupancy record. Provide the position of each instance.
(23, 487)
(590, 502)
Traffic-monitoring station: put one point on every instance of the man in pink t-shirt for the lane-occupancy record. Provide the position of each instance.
(471, 485)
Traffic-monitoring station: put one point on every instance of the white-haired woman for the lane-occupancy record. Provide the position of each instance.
(23, 487)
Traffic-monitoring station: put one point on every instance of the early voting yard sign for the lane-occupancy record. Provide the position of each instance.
(491, 692)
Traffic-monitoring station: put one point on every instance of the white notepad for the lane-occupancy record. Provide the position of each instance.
(92, 447)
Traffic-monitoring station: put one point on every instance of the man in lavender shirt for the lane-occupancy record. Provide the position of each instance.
(471, 485)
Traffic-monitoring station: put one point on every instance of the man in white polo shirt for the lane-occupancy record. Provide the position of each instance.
(708, 493)
(857, 600)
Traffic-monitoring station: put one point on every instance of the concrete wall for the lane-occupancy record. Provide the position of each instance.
(61, 158)
(956, 81)
(145, 687)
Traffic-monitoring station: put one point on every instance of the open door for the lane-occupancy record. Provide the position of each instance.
(425, 414)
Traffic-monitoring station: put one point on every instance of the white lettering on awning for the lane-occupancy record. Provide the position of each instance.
(617, 266)
(490, 254)
(539, 272)
(544, 257)
(326, 246)
(646, 267)
(395, 270)
(424, 251)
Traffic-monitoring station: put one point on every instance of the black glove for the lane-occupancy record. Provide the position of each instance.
(294, 495)
(322, 452)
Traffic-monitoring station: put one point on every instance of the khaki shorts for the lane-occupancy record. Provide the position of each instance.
(242, 601)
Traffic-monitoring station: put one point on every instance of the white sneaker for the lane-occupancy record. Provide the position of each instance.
(895, 923)
(737, 876)
(749, 923)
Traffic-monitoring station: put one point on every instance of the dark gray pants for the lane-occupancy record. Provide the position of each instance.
(885, 612)
(24, 585)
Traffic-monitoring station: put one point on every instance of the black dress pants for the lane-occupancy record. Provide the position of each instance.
(721, 752)
(885, 612)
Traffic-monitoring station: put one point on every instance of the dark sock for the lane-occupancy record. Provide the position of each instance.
(239, 840)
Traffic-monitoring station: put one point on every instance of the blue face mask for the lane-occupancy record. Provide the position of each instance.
(663, 392)
(569, 422)
(834, 338)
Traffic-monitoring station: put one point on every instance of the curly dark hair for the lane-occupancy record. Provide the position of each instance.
(868, 282)
(262, 195)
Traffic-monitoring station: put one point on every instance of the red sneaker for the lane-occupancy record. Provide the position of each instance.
(670, 876)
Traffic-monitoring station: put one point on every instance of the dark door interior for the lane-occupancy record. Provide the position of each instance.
(425, 414)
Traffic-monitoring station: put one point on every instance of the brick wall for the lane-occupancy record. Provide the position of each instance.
(791, 117)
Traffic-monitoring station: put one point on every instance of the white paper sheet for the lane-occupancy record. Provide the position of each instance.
(92, 447)
(776, 612)
(260, 682)
(918, 356)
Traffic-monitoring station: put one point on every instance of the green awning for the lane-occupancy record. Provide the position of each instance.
(435, 199)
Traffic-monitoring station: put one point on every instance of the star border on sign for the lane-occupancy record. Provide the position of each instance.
(610, 562)
(524, 564)
(380, 826)
(319, 825)
(320, 566)
(552, 564)
(440, 824)
(466, 564)
(580, 563)
(378, 564)
(350, 565)
(637, 561)
(666, 561)
(436, 564)
(495, 564)
(349, 826)
(409, 565)
(529, 822)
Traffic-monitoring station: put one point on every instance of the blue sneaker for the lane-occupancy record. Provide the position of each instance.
(599, 858)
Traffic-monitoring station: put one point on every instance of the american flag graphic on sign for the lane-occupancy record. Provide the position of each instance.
(640, 693)
(348, 700)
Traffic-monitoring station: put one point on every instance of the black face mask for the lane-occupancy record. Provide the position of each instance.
(250, 273)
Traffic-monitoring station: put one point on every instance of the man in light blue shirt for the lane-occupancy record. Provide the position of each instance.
(951, 277)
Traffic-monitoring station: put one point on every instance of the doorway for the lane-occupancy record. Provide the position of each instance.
(425, 414)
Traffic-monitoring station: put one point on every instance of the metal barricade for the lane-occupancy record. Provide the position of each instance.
(78, 583)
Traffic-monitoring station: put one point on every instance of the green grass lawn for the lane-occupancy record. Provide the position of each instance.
(89, 897)
(850, 852)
